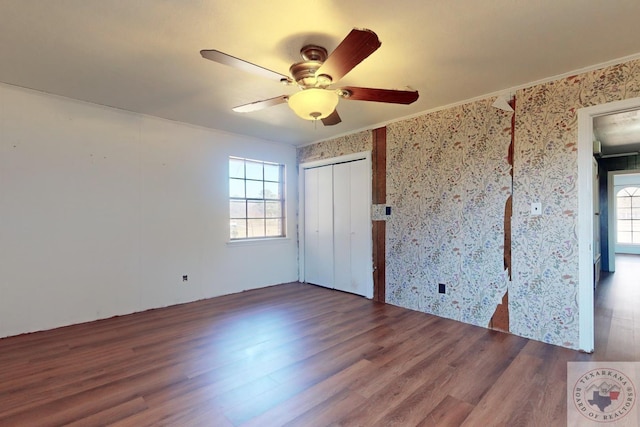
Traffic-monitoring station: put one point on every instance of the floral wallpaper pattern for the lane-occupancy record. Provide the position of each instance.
(354, 143)
(543, 296)
(448, 181)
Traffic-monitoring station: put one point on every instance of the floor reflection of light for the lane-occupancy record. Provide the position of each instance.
(263, 336)
(251, 356)
(265, 343)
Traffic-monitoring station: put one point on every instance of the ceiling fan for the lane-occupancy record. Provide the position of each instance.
(315, 73)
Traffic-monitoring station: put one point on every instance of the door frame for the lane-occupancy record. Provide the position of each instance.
(585, 214)
(364, 155)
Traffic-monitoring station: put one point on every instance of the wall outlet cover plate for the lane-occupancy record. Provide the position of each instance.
(536, 208)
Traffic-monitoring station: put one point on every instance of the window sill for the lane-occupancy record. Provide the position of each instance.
(258, 242)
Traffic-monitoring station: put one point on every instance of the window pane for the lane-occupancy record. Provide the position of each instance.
(236, 188)
(274, 227)
(624, 213)
(271, 190)
(271, 172)
(636, 237)
(238, 228)
(273, 209)
(623, 202)
(635, 213)
(254, 170)
(237, 209)
(624, 237)
(255, 209)
(624, 225)
(254, 206)
(236, 168)
(254, 189)
(635, 225)
(255, 228)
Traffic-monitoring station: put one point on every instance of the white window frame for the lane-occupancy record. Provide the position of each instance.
(626, 247)
(234, 198)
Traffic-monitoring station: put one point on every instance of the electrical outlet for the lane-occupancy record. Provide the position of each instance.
(442, 288)
(185, 278)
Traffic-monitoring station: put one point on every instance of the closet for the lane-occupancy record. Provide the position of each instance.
(337, 226)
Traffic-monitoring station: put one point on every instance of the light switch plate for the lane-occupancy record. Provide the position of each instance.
(536, 208)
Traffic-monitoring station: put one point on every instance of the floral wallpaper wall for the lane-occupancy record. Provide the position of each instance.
(543, 295)
(448, 181)
(354, 143)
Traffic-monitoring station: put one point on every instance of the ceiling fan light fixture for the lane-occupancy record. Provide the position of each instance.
(313, 103)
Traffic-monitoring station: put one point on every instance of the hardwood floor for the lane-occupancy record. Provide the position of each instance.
(617, 311)
(296, 355)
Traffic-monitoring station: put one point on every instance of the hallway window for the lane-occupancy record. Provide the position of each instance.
(256, 199)
(628, 215)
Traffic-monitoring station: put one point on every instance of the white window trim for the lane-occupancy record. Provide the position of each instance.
(623, 248)
(259, 240)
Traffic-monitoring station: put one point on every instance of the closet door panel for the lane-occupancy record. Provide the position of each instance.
(318, 228)
(361, 282)
(342, 226)
(352, 228)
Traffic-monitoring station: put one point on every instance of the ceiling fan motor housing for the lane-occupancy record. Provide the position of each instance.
(304, 72)
(313, 53)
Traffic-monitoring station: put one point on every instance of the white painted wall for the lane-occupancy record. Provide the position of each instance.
(102, 211)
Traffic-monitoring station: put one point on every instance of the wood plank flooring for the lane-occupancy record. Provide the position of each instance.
(617, 311)
(295, 355)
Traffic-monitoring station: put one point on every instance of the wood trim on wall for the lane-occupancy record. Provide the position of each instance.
(379, 196)
(379, 268)
(379, 164)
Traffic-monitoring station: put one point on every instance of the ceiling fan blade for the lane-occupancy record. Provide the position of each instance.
(380, 95)
(259, 105)
(232, 61)
(358, 45)
(332, 119)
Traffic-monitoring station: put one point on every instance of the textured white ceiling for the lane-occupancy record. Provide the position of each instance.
(618, 133)
(143, 55)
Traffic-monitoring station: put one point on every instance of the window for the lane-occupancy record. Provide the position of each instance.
(256, 199)
(628, 215)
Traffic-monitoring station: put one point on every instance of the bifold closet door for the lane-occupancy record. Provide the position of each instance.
(318, 226)
(351, 232)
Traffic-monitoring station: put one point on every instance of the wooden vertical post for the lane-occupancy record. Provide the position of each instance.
(379, 196)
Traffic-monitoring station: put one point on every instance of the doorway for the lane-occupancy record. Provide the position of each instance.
(586, 214)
